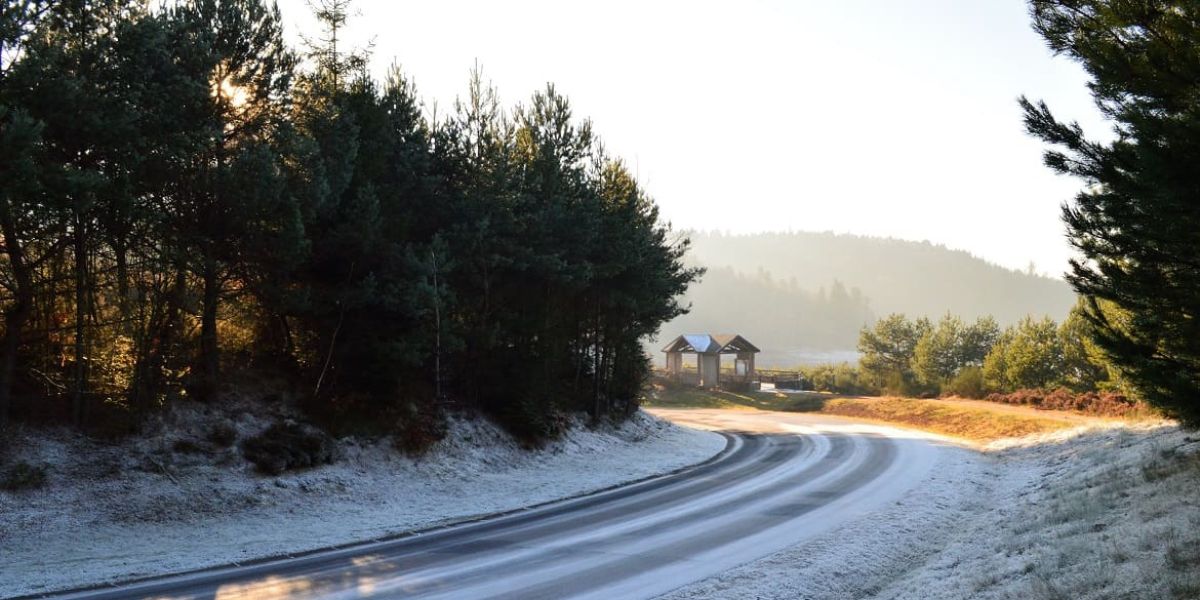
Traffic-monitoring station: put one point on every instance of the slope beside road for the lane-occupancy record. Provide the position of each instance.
(143, 508)
(787, 479)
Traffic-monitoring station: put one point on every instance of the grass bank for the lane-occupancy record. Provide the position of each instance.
(1107, 514)
(973, 421)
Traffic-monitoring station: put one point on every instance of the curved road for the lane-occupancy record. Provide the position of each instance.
(783, 478)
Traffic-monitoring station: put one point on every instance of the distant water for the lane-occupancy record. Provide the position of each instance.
(797, 357)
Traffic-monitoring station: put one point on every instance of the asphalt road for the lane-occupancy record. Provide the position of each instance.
(782, 479)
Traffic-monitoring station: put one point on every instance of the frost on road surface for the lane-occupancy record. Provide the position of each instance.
(880, 542)
(1099, 511)
(788, 479)
(110, 513)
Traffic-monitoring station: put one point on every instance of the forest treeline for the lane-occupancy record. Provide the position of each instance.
(918, 279)
(181, 193)
(951, 356)
(813, 292)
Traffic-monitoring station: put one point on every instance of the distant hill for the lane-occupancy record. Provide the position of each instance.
(806, 293)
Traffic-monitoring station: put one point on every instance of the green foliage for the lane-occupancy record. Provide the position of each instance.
(971, 360)
(843, 378)
(1137, 224)
(1084, 364)
(1028, 355)
(888, 349)
(951, 346)
(178, 191)
(967, 383)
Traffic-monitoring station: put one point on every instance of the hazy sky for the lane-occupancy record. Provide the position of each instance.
(880, 117)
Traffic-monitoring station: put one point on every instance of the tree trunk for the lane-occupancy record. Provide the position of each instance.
(16, 315)
(437, 335)
(210, 358)
(289, 344)
(14, 322)
(78, 388)
(596, 341)
(159, 339)
(121, 252)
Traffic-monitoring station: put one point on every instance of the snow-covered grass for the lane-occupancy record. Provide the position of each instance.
(1098, 511)
(1108, 513)
(177, 500)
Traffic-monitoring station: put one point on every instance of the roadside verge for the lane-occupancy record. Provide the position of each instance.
(91, 525)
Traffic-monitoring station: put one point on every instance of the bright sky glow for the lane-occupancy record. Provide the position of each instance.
(880, 117)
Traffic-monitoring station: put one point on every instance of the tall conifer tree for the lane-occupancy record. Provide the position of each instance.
(1138, 222)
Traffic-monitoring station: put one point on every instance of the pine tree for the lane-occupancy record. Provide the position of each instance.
(235, 53)
(1027, 355)
(20, 137)
(1137, 224)
(1084, 366)
(888, 348)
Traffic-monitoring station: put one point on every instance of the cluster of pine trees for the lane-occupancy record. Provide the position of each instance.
(180, 191)
(919, 357)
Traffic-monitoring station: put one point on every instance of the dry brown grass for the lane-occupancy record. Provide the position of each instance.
(979, 423)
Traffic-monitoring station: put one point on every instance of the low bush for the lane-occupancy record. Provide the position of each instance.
(222, 435)
(23, 476)
(1109, 404)
(968, 383)
(842, 378)
(288, 446)
(527, 422)
(186, 446)
(419, 427)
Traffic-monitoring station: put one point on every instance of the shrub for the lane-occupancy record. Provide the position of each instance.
(23, 476)
(968, 383)
(842, 378)
(186, 446)
(1110, 404)
(222, 435)
(419, 428)
(284, 447)
(527, 421)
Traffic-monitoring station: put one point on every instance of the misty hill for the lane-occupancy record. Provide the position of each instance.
(814, 291)
(774, 314)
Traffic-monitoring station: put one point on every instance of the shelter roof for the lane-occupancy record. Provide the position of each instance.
(706, 343)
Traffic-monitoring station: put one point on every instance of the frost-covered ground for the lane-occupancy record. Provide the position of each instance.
(158, 505)
(1094, 512)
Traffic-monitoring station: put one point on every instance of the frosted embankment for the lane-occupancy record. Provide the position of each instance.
(143, 508)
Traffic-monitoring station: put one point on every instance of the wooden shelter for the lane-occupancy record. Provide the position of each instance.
(708, 349)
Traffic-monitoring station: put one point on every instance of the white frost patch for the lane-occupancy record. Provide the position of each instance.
(1109, 513)
(1106, 511)
(145, 508)
(859, 558)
